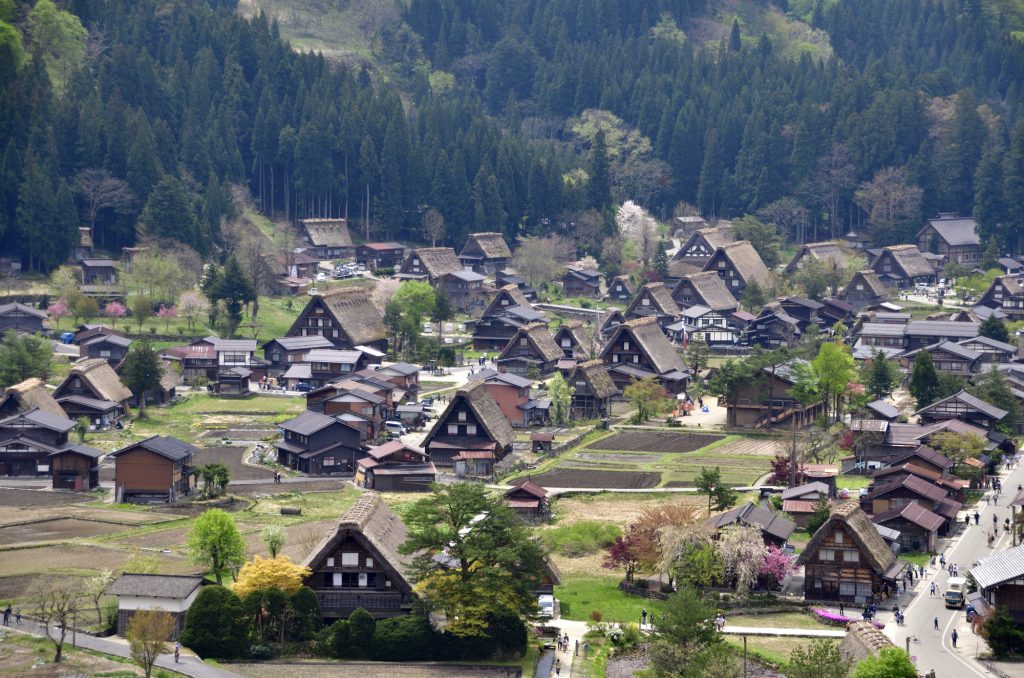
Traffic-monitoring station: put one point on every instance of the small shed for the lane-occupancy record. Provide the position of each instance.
(476, 463)
(234, 382)
(529, 500)
(172, 593)
(541, 442)
(76, 468)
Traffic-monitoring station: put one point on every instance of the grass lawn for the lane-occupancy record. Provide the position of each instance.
(313, 504)
(853, 482)
(916, 557)
(782, 620)
(596, 662)
(799, 538)
(581, 595)
(775, 649)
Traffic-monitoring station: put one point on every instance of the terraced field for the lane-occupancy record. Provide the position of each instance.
(654, 441)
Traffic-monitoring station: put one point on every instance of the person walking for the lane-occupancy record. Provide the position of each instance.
(931, 590)
(7, 616)
(935, 623)
(643, 617)
(954, 637)
(576, 650)
(841, 612)
(177, 652)
(586, 648)
(977, 517)
(17, 616)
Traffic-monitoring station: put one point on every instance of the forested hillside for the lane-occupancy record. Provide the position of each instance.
(525, 116)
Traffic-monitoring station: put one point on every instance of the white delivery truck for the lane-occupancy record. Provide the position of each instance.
(955, 594)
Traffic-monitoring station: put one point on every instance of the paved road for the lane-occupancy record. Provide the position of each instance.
(934, 649)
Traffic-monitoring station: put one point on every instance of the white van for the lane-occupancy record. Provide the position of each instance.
(395, 428)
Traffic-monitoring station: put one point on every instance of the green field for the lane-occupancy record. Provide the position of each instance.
(581, 595)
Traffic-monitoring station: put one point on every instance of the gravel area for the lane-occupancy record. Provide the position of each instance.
(232, 458)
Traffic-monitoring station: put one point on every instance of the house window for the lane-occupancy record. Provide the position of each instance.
(839, 537)
(453, 429)
(369, 562)
(615, 357)
(827, 555)
(350, 560)
(847, 588)
(276, 357)
(104, 354)
(851, 556)
(566, 343)
(522, 341)
(362, 580)
(462, 416)
(330, 562)
(721, 264)
(645, 301)
(471, 429)
(328, 461)
(735, 282)
(625, 345)
(860, 287)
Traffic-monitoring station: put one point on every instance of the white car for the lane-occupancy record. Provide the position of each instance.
(321, 277)
(546, 606)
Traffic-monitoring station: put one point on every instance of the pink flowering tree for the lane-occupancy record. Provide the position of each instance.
(58, 310)
(775, 567)
(115, 310)
(167, 314)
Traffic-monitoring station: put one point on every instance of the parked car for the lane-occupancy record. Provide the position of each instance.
(67, 337)
(321, 277)
(395, 428)
(546, 606)
(303, 387)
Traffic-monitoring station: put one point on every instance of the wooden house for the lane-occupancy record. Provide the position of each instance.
(511, 392)
(529, 500)
(1000, 579)
(577, 340)
(610, 319)
(319, 445)
(963, 406)
(395, 467)
(828, 253)
(505, 315)
(429, 264)
(953, 237)
(531, 349)
(27, 395)
(947, 357)
(465, 288)
(302, 265)
(485, 253)
(347, 318)
(157, 469)
(509, 276)
(329, 238)
(358, 565)
(76, 468)
(404, 375)
(775, 529)
(864, 289)
(171, 593)
(283, 352)
(918, 527)
(654, 300)
(472, 422)
(638, 349)
(774, 328)
(22, 319)
(835, 310)
(738, 264)
(903, 266)
(921, 333)
(705, 289)
(111, 347)
(700, 323)
(883, 410)
(806, 311)
(328, 364)
(199, 362)
(896, 490)
(92, 389)
(28, 438)
(620, 291)
(99, 271)
(848, 560)
(581, 282)
(594, 390)
(378, 255)
(693, 254)
(992, 352)
(811, 491)
(1006, 293)
(765, 402)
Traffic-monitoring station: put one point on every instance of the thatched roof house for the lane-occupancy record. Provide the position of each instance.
(738, 264)
(531, 346)
(26, 395)
(96, 376)
(704, 289)
(472, 422)
(430, 264)
(346, 317)
(826, 252)
(365, 541)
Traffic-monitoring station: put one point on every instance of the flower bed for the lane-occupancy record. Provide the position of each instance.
(834, 619)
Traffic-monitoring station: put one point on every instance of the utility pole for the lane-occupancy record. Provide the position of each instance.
(744, 657)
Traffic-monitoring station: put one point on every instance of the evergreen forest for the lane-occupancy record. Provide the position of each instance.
(142, 118)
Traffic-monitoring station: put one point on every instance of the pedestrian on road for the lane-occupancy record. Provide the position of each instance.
(942, 559)
(995, 519)
(931, 591)
(954, 636)
(967, 521)
(7, 616)
(643, 617)
(558, 667)
(841, 613)
(977, 517)
(576, 650)
(935, 622)
(177, 652)
(586, 648)
(17, 616)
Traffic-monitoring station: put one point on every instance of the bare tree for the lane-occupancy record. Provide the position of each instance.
(890, 202)
(833, 178)
(55, 602)
(96, 587)
(147, 634)
(100, 190)
(257, 263)
(433, 225)
(788, 216)
(535, 260)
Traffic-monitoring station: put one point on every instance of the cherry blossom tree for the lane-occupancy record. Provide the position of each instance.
(741, 551)
(167, 314)
(58, 310)
(776, 566)
(115, 310)
(191, 305)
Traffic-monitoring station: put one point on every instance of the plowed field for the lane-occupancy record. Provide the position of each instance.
(654, 441)
(619, 480)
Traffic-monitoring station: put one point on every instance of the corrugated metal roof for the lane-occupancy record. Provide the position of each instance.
(999, 568)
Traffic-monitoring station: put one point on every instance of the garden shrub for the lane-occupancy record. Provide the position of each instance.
(408, 638)
(508, 633)
(260, 652)
(340, 638)
(361, 625)
(306, 617)
(1004, 636)
(580, 539)
(216, 625)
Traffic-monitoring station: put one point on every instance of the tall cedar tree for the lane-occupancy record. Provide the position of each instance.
(924, 380)
(881, 376)
(994, 328)
(142, 371)
(234, 288)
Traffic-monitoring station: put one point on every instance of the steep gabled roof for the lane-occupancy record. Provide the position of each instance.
(955, 231)
(27, 310)
(711, 289)
(356, 315)
(927, 454)
(870, 280)
(29, 394)
(913, 513)
(800, 490)
(510, 293)
(381, 452)
(949, 347)
(828, 252)
(744, 259)
(854, 521)
(479, 400)
(102, 378)
(308, 423)
(966, 398)
(660, 297)
(915, 484)
(596, 374)
(652, 341)
(491, 245)
(370, 520)
(328, 232)
(910, 260)
(767, 521)
(438, 260)
(539, 338)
